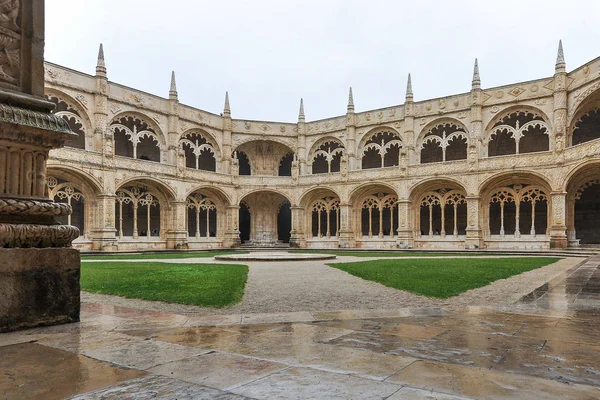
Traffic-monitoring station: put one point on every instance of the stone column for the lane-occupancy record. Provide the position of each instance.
(558, 227)
(297, 234)
(346, 234)
(39, 273)
(104, 233)
(232, 226)
(474, 239)
(405, 238)
(177, 235)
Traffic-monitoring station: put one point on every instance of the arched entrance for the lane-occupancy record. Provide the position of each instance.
(265, 219)
(583, 205)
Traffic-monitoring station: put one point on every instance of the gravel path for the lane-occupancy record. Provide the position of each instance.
(313, 286)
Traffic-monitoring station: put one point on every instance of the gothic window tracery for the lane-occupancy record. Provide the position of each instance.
(69, 113)
(519, 132)
(199, 153)
(325, 217)
(135, 138)
(285, 165)
(327, 158)
(62, 191)
(137, 207)
(516, 209)
(587, 127)
(202, 216)
(443, 212)
(381, 150)
(379, 215)
(444, 142)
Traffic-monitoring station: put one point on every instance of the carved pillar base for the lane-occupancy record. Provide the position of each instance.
(39, 287)
(474, 239)
(177, 239)
(104, 239)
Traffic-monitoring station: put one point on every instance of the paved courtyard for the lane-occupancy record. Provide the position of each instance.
(543, 347)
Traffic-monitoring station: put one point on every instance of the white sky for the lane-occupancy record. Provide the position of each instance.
(270, 53)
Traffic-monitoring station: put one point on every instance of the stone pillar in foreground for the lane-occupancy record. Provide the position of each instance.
(39, 272)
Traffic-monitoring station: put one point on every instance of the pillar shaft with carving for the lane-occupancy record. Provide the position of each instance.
(474, 237)
(558, 227)
(346, 237)
(33, 246)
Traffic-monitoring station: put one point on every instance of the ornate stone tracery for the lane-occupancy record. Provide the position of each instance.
(325, 217)
(135, 131)
(508, 133)
(327, 157)
(135, 197)
(373, 207)
(517, 195)
(444, 142)
(381, 149)
(199, 153)
(434, 206)
(202, 212)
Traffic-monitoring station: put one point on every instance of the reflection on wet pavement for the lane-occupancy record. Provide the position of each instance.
(547, 346)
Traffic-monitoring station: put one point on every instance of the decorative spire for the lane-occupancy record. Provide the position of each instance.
(350, 101)
(476, 82)
(409, 91)
(226, 109)
(173, 88)
(100, 65)
(561, 65)
(301, 112)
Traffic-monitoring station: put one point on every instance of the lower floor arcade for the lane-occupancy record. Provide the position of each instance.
(512, 211)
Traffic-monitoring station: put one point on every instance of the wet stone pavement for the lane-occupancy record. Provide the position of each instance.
(545, 347)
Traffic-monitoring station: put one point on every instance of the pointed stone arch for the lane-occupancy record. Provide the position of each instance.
(518, 130)
(444, 139)
(201, 149)
(325, 155)
(380, 147)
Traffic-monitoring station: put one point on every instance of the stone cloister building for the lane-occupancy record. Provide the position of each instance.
(516, 166)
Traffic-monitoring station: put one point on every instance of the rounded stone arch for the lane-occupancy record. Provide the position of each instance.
(313, 193)
(586, 111)
(220, 194)
(373, 131)
(206, 212)
(315, 146)
(582, 207)
(514, 108)
(514, 185)
(419, 188)
(439, 208)
(82, 116)
(150, 122)
(85, 215)
(264, 155)
(505, 133)
(242, 196)
(164, 191)
(436, 122)
(375, 211)
(74, 173)
(445, 145)
(210, 138)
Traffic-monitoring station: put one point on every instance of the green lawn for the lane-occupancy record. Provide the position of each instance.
(157, 256)
(208, 285)
(441, 278)
(387, 253)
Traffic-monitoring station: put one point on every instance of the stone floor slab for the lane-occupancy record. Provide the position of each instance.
(32, 371)
(482, 383)
(303, 383)
(218, 370)
(157, 388)
(144, 354)
(408, 393)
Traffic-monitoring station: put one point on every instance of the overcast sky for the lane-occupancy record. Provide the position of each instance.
(270, 53)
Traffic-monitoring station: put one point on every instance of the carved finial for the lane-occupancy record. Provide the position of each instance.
(301, 112)
(409, 91)
(173, 88)
(476, 82)
(350, 101)
(100, 65)
(226, 109)
(561, 65)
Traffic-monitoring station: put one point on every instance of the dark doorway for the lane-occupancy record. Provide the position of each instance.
(284, 222)
(244, 223)
(587, 216)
